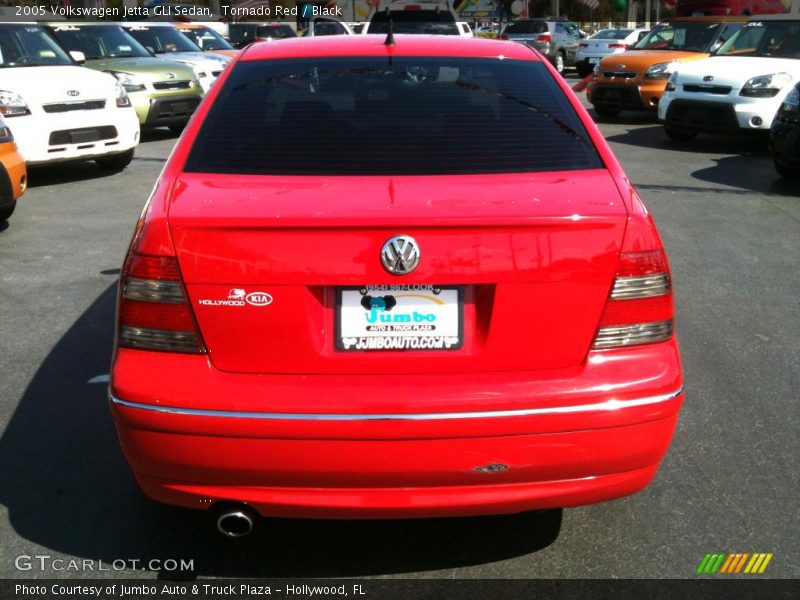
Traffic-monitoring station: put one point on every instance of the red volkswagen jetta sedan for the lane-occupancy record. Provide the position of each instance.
(393, 280)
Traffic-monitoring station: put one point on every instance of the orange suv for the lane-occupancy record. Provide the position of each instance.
(13, 175)
(635, 80)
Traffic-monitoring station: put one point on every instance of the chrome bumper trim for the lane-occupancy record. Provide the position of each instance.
(608, 405)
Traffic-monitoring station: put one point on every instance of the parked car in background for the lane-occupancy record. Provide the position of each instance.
(422, 21)
(178, 12)
(207, 39)
(13, 175)
(57, 110)
(464, 29)
(322, 26)
(243, 34)
(164, 93)
(555, 37)
(398, 280)
(635, 79)
(165, 41)
(741, 88)
(784, 140)
(602, 44)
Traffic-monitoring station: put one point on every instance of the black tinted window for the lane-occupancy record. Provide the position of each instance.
(365, 116)
(427, 22)
(527, 27)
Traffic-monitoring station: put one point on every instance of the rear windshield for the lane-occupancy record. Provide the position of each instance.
(429, 22)
(686, 37)
(611, 34)
(527, 27)
(406, 115)
(779, 39)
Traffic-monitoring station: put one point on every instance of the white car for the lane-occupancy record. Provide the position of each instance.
(464, 30)
(57, 110)
(165, 41)
(741, 88)
(604, 43)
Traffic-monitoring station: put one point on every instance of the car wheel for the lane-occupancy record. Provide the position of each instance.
(786, 171)
(116, 162)
(606, 111)
(559, 62)
(679, 135)
(7, 211)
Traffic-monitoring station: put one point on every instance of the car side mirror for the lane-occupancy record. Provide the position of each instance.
(77, 56)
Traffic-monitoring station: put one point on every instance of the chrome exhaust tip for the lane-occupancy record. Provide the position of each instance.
(236, 522)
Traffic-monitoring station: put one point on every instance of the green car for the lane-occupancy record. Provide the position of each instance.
(164, 93)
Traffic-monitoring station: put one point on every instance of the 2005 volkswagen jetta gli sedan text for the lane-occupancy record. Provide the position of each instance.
(393, 278)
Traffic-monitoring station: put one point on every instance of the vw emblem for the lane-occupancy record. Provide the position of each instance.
(400, 254)
(170, 75)
(708, 78)
(620, 67)
(73, 93)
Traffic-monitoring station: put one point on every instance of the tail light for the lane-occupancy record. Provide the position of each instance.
(544, 38)
(639, 309)
(154, 313)
(583, 45)
(617, 45)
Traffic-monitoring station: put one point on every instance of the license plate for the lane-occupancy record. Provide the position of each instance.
(82, 137)
(593, 61)
(402, 317)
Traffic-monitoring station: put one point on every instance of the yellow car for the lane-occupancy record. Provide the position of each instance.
(636, 79)
(13, 175)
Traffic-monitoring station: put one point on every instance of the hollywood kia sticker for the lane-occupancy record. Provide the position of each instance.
(468, 312)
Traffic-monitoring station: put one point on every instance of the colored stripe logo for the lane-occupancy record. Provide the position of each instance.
(734, 563)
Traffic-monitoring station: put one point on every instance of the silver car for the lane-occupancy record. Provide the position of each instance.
(602, 44)
(555, 37)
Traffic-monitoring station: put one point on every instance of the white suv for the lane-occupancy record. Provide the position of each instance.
(742, 87)
(59, 111)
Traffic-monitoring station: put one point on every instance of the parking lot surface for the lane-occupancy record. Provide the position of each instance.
(729, 483)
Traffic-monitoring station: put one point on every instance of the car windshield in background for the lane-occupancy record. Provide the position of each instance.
(688, 37)
(162, 40)
(766, 39)
(206, 38)
(29, 46)
(98, 41)
(526, 27)
(373, 116)
(275, 31)
(611, 34)
(415, 22)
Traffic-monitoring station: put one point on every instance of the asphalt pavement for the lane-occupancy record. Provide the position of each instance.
(729, 483)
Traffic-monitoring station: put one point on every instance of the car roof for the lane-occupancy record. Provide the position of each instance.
(373, 45)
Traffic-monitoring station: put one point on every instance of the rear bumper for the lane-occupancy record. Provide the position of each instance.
(528, 451)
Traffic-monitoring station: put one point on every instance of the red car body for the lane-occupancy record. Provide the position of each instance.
(262, 407)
